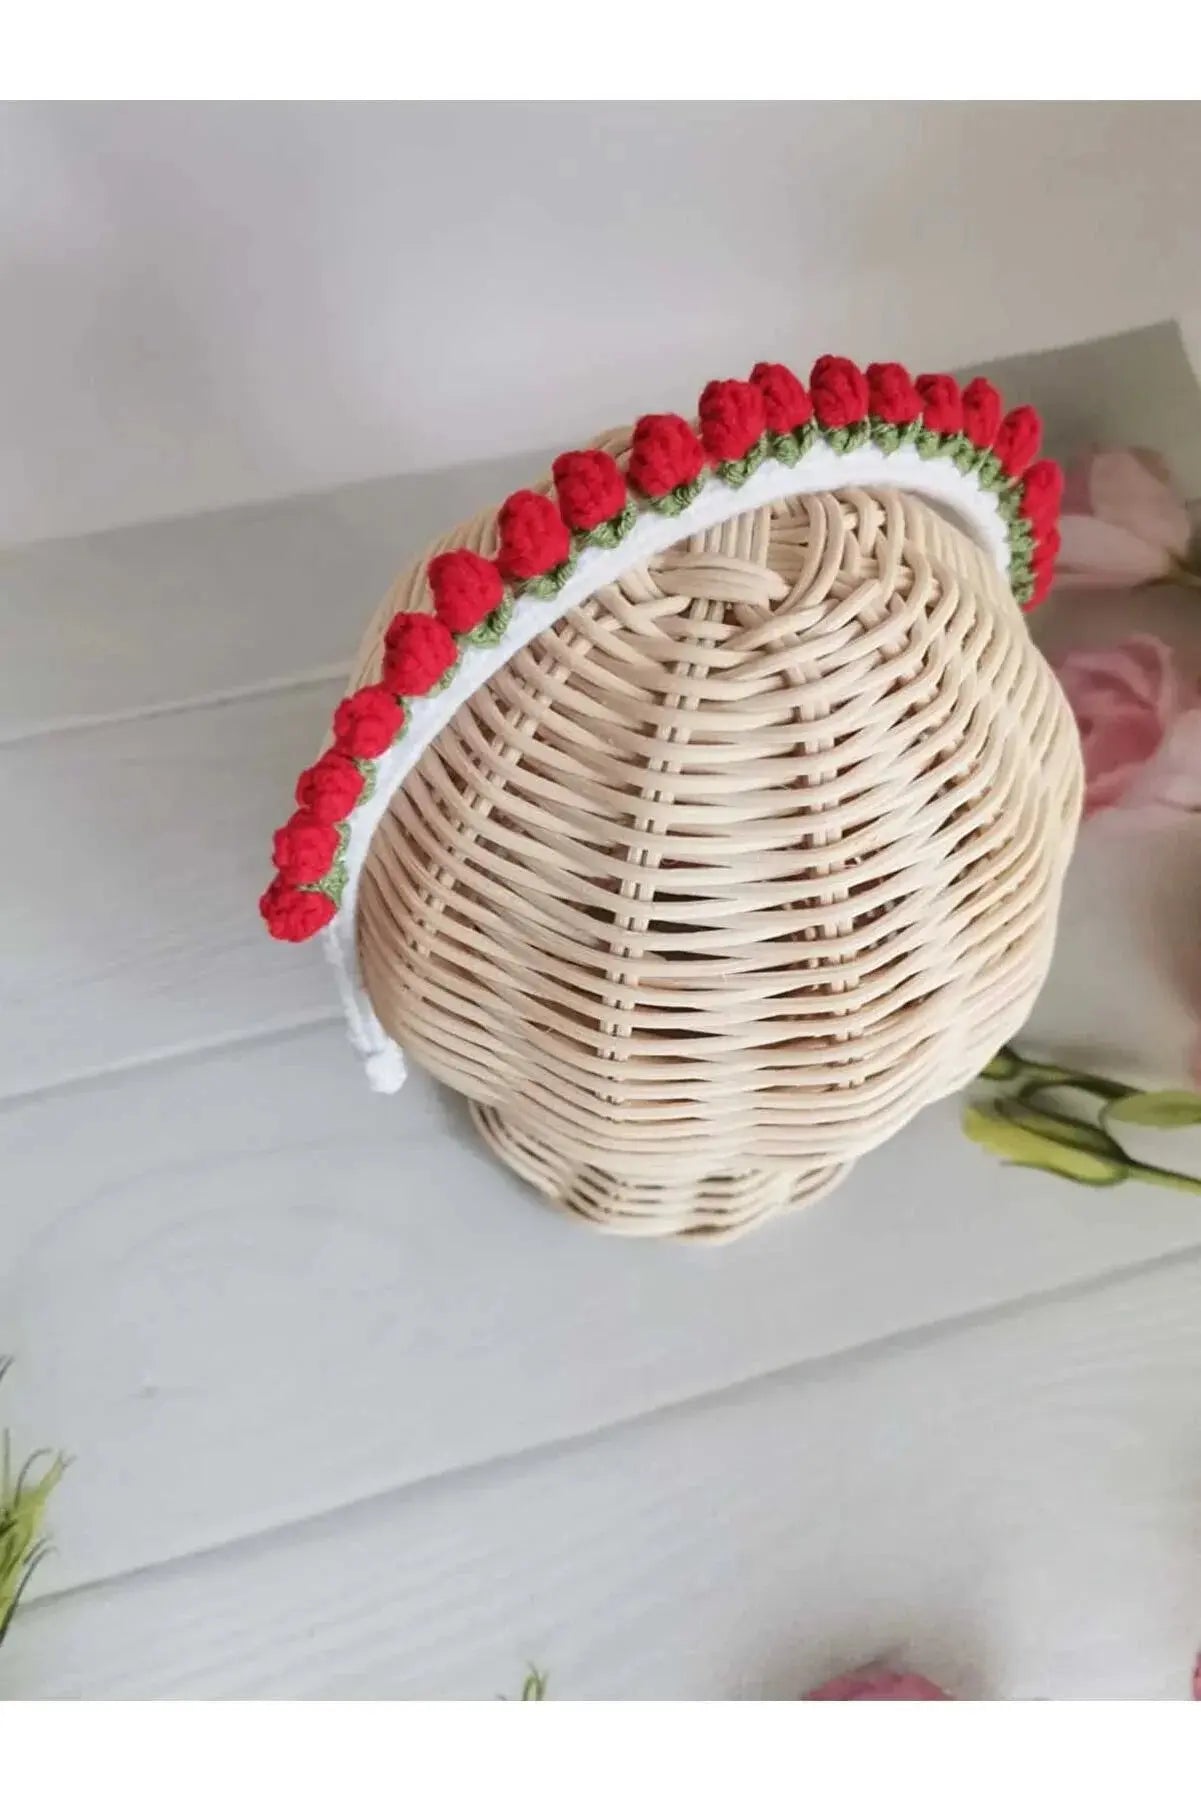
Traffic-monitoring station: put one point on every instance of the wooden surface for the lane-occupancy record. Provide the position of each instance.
(352, 1415)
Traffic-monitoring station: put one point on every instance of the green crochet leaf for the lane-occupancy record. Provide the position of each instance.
(849, 437)
(678, 498)
(806, 437)
(491, 630)
(333, 884)
(954, 444)
(895, 437)
(930, 443)
(611, 533)
(366, 769)
(1020, 569)
(735, 473)
(545, 587)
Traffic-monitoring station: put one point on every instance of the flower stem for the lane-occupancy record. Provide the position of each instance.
(1023, 1109)
(1162, 1178)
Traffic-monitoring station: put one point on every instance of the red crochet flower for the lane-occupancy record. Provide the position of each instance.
(1042, 492)
(1042, 565)
(590, 486)
(839, 391)
(942, 403)
(533, 537)
(732, 418)
(891, 394)
(418, 650)
(1044, 575)
(981, 412)
(331, 788)
(366, 723)
(665, 453)
(786, 406)
(465, 587)
(305, 848)
(295, 913)
(1018, 440)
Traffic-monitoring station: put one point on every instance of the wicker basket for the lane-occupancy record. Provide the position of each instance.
(734, 867)
(703, 813)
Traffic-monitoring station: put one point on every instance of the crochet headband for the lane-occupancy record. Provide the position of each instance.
(755, 442)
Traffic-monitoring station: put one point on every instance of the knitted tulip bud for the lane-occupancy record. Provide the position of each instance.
(305, 848)
(418, 651)
(892, 395)
(942, 404)
(786, 404)
(1042, 492)
(1018, 439)
(732, 418)
(533, 537)
(590, 487)
(466, 588)
(332, 788)
(982, 407)
(665, 453)
(293, 914)
(838, 389)
(366, 722)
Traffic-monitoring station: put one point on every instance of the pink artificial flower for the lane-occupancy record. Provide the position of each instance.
(1173, 776)
(1197, 1678)
(1122, 523)
(876, 1682)
(1125, 699)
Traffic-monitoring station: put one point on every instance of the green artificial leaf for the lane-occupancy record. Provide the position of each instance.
(1008, 1066)
(23, 1501)
(1166, 1107)
(1051, 1075)
(1061, 1127)
(1019, 1143)
(23, 1498)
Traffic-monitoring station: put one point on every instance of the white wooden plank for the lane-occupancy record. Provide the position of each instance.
(1010, 1506)
(149, 616)
(136, 852)
(241, 1289)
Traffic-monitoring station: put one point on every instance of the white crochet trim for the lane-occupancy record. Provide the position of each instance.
(821, 468)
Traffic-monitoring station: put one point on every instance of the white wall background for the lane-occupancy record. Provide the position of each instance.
(202, 305)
